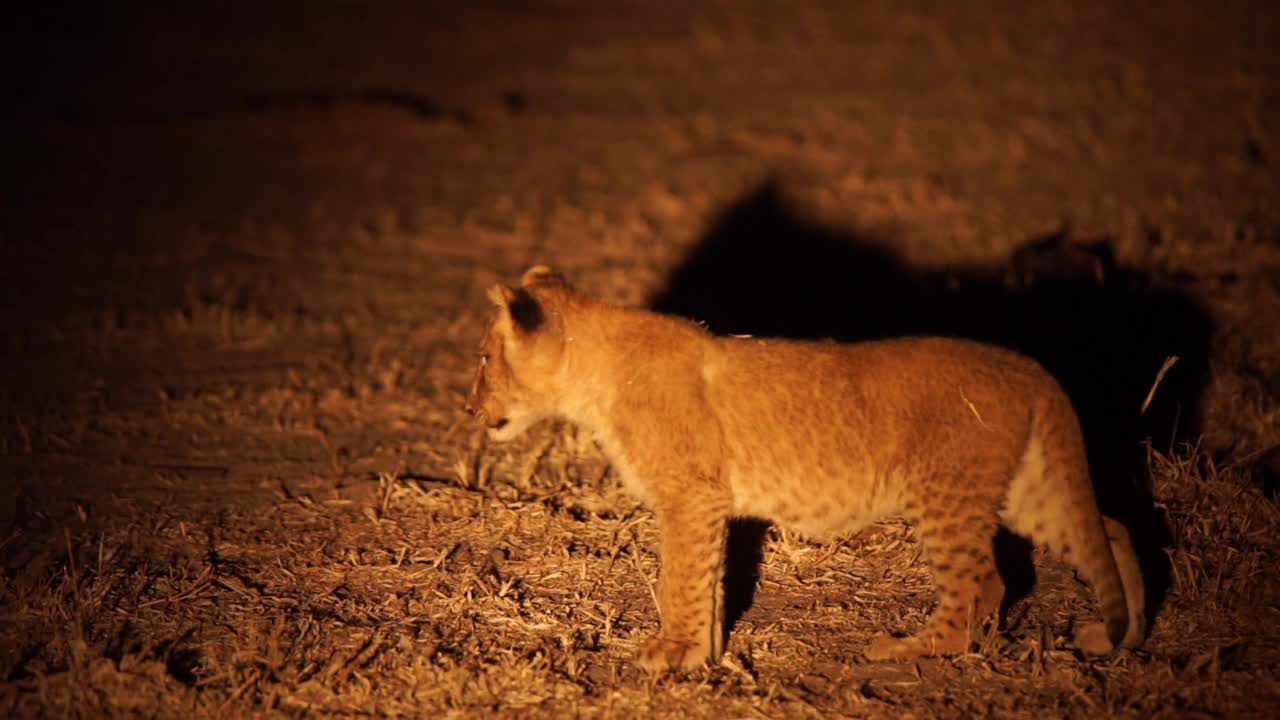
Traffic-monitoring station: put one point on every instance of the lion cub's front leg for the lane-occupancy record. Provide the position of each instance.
(692, 530)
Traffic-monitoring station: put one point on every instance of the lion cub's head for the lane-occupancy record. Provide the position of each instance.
(520, 357)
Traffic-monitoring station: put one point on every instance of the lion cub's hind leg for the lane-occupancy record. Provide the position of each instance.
(958, 534)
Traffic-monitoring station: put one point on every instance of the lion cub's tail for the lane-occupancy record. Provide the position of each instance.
(1051, 500)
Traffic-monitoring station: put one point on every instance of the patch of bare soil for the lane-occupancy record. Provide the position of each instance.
(243, 258)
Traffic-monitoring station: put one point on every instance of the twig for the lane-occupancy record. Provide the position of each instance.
(71, 566)
(199, 584)
(1168, 363)
(251, 677)
(635, 561)
(972, 408)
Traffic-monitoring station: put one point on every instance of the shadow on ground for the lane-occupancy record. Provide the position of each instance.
(1103, 330)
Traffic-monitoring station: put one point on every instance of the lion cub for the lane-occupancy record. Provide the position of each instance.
(822, 438)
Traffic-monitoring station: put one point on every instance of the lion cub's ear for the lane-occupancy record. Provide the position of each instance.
(542, 275)
(520, 306)
(501, 295)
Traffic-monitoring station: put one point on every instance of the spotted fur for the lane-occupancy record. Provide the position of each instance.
(958, 437)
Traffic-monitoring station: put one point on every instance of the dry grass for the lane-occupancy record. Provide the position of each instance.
(522, 584)
(325, 535)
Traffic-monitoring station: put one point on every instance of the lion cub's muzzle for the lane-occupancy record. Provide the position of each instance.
(472, 407)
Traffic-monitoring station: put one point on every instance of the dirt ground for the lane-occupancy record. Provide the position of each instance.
(243, 255)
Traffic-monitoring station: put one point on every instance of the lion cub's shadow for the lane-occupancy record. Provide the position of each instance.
(1103, 330)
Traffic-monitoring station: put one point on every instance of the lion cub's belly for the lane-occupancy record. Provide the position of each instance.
(799, 458)
(815, 501)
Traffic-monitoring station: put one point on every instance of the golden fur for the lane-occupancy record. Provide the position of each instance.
(956, 436)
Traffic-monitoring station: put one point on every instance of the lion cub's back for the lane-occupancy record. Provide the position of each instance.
(898, 380)
(844, 423)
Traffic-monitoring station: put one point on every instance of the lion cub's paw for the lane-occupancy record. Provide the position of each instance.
(658, 654)
(886, 647)
(1093, 639)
